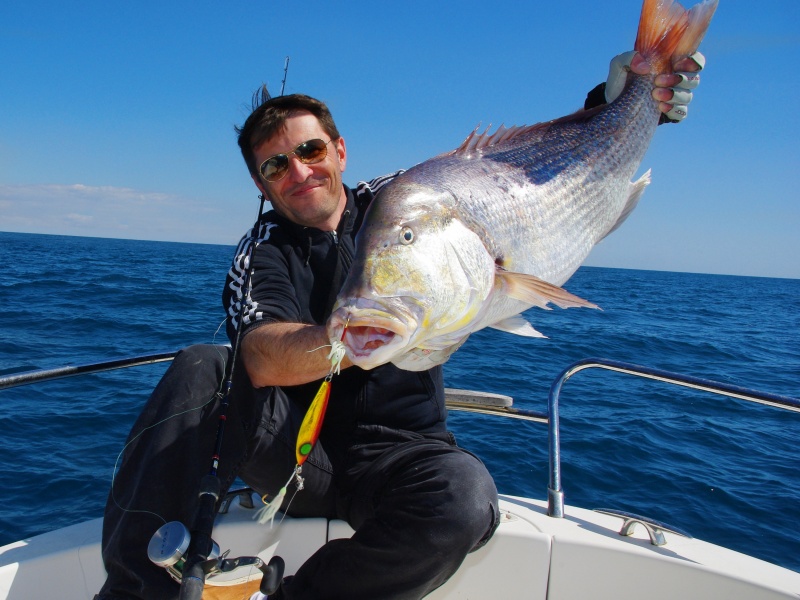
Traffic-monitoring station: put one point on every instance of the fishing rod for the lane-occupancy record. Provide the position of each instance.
(455, 399)
(285, 73)
(201, 556)
(22, 377)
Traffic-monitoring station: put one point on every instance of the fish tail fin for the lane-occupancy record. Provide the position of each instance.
(667, 31)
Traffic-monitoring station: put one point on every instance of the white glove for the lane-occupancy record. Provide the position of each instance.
(681, 91)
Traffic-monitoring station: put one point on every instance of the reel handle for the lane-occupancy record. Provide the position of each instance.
(273, 575)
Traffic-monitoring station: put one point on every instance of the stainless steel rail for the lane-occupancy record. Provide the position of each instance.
(555, 495)
(489, 404)
(457, 400)
(477, 402)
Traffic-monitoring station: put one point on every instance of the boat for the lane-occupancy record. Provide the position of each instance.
(542, 550)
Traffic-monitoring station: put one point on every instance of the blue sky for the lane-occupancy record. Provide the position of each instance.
(116, 119)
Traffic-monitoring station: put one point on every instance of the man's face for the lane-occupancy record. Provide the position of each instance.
(310, 195)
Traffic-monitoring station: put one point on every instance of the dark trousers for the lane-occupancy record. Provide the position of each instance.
(418, 503)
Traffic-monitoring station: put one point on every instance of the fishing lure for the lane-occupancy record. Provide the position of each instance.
(308, 435)
(312, 422)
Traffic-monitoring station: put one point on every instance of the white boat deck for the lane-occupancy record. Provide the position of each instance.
(531, 557)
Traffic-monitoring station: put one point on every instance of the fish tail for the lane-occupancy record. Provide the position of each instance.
(667, 31)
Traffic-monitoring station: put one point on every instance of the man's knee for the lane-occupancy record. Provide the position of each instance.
(485, 511)
(473, 513)
(202, 356)
(194, 376)
(202, 367)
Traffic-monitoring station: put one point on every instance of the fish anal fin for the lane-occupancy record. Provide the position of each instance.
(538, 292)
(635, 192)
(518, 326)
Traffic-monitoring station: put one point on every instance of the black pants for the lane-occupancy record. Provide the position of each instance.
(418, 503)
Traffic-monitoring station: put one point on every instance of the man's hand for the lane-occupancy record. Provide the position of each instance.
(673, 91)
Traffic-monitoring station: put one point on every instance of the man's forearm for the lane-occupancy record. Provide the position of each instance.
(287, 354)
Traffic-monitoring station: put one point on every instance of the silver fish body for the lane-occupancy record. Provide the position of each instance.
(542, 199)
(472, 238)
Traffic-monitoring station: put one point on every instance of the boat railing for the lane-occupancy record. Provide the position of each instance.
(478, 402)
(555, 493)
(456, 399)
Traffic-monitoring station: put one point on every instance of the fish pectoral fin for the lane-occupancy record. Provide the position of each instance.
(419, 359)
(518, 326)
(537, 292)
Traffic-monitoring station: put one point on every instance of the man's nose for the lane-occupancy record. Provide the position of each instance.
(298, 170)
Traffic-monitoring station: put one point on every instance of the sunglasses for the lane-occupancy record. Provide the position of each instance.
(308, 153)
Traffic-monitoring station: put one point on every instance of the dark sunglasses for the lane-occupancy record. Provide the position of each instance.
(308, 153)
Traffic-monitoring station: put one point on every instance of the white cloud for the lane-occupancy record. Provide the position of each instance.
(115, 212)
(76, 218)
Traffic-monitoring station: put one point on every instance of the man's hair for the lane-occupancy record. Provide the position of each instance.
(269, 118)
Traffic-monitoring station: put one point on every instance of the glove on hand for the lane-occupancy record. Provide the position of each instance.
(673, 91)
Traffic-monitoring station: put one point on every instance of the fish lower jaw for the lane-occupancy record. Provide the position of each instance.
(370, 346)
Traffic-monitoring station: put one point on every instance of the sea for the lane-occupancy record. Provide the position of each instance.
(721, 469)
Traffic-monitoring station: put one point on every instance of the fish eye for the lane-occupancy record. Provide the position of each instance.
(406, 235)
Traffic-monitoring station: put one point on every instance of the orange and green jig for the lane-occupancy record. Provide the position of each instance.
(309, 433)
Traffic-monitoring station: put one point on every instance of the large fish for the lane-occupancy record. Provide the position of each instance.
(472, 238)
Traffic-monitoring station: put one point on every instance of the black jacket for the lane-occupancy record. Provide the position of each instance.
(297, 273)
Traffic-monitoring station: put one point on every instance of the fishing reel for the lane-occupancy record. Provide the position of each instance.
(169, 545)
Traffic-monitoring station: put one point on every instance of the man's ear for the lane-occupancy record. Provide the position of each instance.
(341, 150)
(259, 184)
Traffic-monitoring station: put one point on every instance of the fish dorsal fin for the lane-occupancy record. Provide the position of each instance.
(635, 191)
(537, 292)
(518, 326)
(478, 141)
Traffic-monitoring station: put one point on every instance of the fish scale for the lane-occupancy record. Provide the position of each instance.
(588, 163)
(474, 237)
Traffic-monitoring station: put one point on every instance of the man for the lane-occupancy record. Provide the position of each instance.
(385, 461)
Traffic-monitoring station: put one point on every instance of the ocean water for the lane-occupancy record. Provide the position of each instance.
(724, 470)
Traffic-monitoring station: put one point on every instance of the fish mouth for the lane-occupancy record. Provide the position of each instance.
(363, 339)
(371, 335)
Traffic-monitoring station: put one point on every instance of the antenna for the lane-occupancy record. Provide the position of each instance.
(285, 71)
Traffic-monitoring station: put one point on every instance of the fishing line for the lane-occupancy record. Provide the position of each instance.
(137, 436)
(161, 422)
(217, 330)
